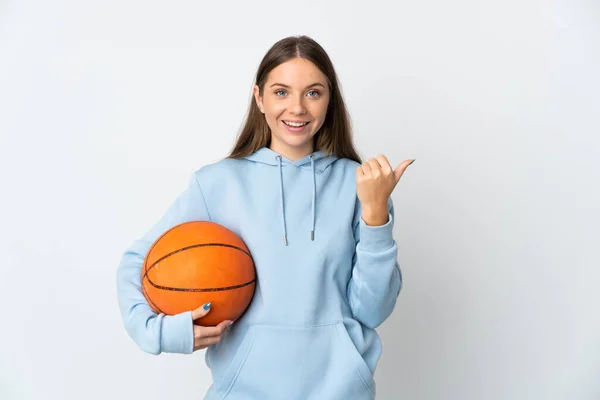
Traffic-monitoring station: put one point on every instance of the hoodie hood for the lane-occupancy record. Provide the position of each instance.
(267, 156)
(316, 162)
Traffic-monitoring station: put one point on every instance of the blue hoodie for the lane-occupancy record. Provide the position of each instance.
(325, 280)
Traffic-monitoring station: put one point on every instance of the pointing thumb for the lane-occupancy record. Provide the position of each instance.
(401, 168)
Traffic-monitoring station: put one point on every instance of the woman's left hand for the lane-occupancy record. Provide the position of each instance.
(375, 182)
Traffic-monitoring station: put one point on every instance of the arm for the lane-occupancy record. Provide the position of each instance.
(376, 279)
(155, 333)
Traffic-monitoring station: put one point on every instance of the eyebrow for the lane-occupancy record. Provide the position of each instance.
(289, 87)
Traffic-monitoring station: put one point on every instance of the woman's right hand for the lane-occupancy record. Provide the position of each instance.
(205, 336)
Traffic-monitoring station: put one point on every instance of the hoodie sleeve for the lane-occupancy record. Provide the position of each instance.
(376, 278)
(155, 333)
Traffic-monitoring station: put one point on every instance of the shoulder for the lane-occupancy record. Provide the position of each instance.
(346, 167)
(348, 163)
(218, 170)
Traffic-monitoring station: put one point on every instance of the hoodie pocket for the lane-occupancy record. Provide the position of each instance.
(275, 362)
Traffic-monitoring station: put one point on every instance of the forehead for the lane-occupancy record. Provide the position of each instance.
(297, 72)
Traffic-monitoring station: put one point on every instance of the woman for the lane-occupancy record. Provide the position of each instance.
(318, 224)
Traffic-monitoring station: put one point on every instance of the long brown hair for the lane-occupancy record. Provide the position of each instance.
(334, 137)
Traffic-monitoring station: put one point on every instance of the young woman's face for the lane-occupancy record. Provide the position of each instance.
(295, 100)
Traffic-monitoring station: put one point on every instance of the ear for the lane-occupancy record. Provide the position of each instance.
(258, 98)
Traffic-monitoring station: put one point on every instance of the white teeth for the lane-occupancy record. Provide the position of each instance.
(295, 124)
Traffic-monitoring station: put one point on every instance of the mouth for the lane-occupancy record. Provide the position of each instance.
(296, 124)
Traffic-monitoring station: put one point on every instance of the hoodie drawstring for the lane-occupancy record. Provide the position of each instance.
(314, 199)
(282, 203)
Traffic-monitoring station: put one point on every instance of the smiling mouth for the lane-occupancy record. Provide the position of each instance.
(296, 124)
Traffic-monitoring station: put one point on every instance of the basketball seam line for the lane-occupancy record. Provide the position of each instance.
(193, 247)
(220, 289)
(157, 308)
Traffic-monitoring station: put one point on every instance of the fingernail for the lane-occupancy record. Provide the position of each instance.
(230, 323)
(207, 306)
(412, 161)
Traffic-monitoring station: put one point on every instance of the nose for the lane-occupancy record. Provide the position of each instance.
(297, 107)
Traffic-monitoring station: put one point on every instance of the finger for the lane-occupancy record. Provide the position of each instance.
(208, 341)
(386, 167)
(202, 346)
(201, 311)
(367, 169)
(207, 331)
(401, 168)
(375, 167)
(359, 172)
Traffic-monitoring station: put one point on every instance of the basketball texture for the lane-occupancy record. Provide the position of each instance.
(195, 263)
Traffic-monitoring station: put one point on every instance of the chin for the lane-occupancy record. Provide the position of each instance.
(299, 144)
(295, 140)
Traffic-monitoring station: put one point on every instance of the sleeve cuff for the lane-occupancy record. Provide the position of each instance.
(177, 334)
(376, 238)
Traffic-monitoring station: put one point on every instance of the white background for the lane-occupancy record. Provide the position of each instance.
(106, 107)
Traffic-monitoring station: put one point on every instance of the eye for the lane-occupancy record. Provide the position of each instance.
(280, 91)
(316, 93)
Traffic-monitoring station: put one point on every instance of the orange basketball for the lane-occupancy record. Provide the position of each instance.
(195, 263)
